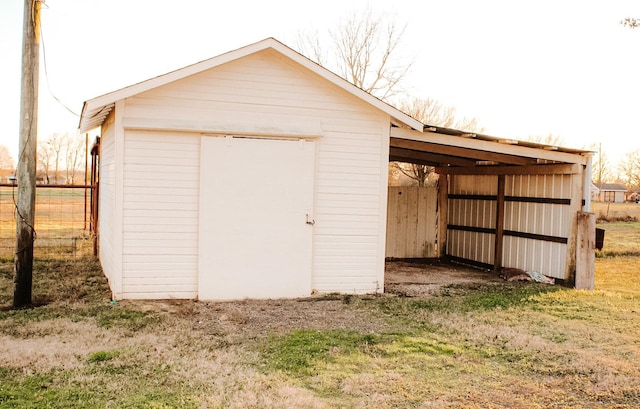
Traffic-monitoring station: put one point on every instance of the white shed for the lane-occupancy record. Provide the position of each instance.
(260, 174)
(609, 192)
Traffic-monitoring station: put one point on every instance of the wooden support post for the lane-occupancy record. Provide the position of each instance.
(86, 175)
(95, 180)
(586, 251)
(442, 206)
(499, 242)
(26, 169)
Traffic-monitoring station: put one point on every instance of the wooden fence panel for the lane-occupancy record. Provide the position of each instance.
(411, 222)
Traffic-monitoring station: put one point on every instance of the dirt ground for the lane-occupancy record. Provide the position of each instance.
(234, 321)
(423, 276)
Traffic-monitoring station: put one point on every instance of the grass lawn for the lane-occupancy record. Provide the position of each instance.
(500, 345)
(621, 223)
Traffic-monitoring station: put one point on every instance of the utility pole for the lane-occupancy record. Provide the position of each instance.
(600, 165)
(26, 169)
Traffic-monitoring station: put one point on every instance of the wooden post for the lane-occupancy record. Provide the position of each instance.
(86, 171)
(95, 180)
(442, 206)
(26, 168)
(499, 243)
(586, 251)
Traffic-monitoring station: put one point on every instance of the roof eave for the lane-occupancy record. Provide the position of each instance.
(502, 140)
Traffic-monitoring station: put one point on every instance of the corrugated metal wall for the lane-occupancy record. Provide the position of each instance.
(551, 221)
(537, 221)
(471, 217)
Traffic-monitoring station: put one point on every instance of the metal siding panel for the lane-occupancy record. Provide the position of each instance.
(470, 212)
(538, 218)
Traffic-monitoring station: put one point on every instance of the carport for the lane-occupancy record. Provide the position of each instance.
(507, 203)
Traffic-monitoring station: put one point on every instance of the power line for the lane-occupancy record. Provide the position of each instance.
(46, 75)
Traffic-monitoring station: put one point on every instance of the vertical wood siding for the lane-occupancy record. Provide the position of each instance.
(263, 92)
(553, 220)
(107, 202)
(411, 222)
(160, 211)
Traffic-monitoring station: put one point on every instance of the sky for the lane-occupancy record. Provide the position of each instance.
(522, 68)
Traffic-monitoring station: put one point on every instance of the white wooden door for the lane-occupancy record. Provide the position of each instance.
(256, 201)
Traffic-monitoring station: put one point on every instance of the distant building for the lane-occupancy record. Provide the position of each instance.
(608, 192)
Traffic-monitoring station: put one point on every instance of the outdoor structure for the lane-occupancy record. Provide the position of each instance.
(609, 192)
(260, 174)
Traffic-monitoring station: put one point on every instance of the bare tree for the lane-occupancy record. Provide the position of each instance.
(50, 155)
(432, 112)
(629, 168)
(600, 166)
(43, 165)
(310, 44)
(365, 49)
(75, 155)
(62, 154)
(6, 159)
(414, 171)
(549, 139)
(631, 22)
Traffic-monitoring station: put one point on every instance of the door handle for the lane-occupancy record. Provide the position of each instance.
(310, 221)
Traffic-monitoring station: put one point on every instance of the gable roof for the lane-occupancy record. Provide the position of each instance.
(96, 110)
(611, 187)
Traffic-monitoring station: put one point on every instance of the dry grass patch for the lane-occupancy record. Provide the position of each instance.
(612, 212)
(621, 239)
(621, 224)
(61, 222)
(491, 345)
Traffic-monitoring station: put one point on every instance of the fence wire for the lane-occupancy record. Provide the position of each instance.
(62, 222)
